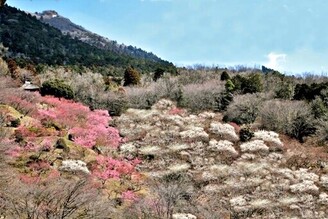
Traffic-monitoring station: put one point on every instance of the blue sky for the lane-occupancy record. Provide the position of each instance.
(288, 35)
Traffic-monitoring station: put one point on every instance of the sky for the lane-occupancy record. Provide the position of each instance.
(288, 35)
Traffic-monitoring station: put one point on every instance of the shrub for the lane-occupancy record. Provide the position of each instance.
(284, 91)
(319, 109)
(13, 68)
(198, 97)
(61, 144)
(250, 84)
(15, 123)
(131, 77)
(239, 82)
(306, 92)
(158, 74)
(141, 98)
(24, 102)
(302, 92)
(253, 84)
(225, 76)
(88, 128)
(302, 126)
(322, 131)
(3, 67)
(244, 109)
(245, 134)
(293, 118)
(116, 105)
(223, 101)
(57, 88)
(195, 77)
(229, 86)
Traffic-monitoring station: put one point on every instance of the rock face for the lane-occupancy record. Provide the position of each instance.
(253, 179)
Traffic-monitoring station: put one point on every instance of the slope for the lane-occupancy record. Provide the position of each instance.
(30, 40)
(76, 31)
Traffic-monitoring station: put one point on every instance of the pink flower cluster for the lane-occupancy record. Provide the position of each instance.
(176, 111)
(107, 168)
(89, 128)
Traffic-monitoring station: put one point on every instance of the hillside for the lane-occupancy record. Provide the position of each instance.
(30, 40)
(205, 143)
(61, 159)
(76, 31)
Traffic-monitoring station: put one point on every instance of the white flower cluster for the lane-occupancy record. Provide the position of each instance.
(206, 115)
(150, 150)
(225, 131)
(305, 186)
(269, 136)
(324, 180)
(323, 198)
(238, 201)
(303, 175)
(74, 165)
(222, 146)
(179, 167)
(163, 104)
(194, 133)
(254, 146)
(183, 216)
(128, 148)
(261, 203)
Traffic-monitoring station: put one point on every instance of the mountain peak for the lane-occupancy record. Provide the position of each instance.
(48, 14)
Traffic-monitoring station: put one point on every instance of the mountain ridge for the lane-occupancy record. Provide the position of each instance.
(67, 27)
(31, 41)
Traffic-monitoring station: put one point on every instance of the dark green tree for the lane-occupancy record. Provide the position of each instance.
(159, 72)
(131, 77)
(302, 126)
(57, 88)
(225, 76)
(253, 84)
(229, 86)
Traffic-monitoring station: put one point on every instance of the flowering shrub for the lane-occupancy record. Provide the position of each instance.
(129, 196)
(74, 165)
(38, 172)
(224, 131)
(176, 111)
(222, 146)
(88, 128)
(65, 112)
(20, 104)
(46, 145)
(254, 146)
(107, 168)
(35, 129)
(14, 151)
(268, 136)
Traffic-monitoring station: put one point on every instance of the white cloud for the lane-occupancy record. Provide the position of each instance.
(276, 61)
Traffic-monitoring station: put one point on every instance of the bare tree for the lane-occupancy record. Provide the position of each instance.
(165, 195)
(63, 199)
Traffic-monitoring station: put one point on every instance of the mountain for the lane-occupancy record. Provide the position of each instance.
(67, 27)
(30, 40)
